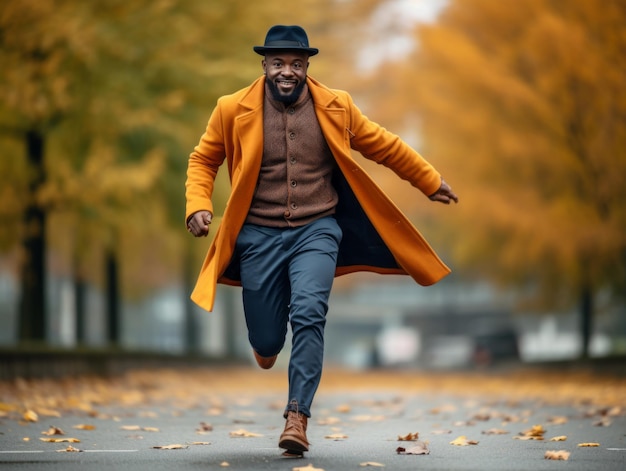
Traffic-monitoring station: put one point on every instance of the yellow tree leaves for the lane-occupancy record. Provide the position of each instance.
(521, 105)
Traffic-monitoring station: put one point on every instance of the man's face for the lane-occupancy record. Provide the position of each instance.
(286, 74)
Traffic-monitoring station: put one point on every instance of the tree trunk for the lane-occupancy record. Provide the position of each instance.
(79, 304)
(32, 308)
(586, 319)
(112, 298)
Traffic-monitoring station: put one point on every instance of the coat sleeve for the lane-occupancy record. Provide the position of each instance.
(203, 165)
(383, 147)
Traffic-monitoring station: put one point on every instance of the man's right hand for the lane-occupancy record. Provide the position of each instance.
(198, 223)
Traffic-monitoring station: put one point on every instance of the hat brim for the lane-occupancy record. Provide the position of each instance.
(262, 50)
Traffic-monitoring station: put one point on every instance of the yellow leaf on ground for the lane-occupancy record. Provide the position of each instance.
(495, 431)
(171, 447)
(241, 433)
(463, 441)
(336, 436)
(53, 431)
(343, 408)
(588, 445)
(150, 429)
(374, 464)
(409, 437)
(557, 455)
(130, 428)
(560, 438)
(30, 416)
(329, 421)
(558, 420)
(535, 433)
(224, 464)
(60, 440)
(309, 467)
(84, 427)
(70, 449)
(200, 443)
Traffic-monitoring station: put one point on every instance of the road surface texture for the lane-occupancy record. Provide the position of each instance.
(231, 418)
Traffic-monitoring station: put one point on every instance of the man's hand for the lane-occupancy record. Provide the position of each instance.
(198, 223)
(444, 194)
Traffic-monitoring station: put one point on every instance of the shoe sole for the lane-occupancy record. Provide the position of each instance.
(292, 446)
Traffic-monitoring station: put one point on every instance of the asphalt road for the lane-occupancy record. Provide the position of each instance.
(350, 430)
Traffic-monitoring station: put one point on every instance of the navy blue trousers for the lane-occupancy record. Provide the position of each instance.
(286, 276)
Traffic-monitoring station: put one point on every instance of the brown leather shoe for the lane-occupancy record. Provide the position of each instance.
(264, 362)
(293, 439)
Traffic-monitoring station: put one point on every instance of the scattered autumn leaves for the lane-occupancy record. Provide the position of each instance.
(29, 402)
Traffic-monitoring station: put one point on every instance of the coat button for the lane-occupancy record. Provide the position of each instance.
(294, 206)
(292, 160)
(293, 183)
(287, 214)
(292, 135)
(291, 111)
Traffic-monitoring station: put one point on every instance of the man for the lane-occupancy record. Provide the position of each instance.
(301, 210)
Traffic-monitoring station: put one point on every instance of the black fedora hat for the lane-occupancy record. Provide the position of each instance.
(280, 38)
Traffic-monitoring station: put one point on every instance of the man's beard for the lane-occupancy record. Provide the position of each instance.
(286, 99)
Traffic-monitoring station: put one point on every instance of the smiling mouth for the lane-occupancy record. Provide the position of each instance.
(286, 85)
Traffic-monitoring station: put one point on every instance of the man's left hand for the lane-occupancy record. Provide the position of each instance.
(444, 194)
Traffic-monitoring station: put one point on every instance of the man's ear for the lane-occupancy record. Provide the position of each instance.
(264, 65)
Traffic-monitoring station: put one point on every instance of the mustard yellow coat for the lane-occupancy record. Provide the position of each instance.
(377, 237)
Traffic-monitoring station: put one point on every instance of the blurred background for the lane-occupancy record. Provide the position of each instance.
(520, 104)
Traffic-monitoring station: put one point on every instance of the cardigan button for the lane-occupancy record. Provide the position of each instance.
(291, 110)
(293, 183)
(292, 135)
(294, 206)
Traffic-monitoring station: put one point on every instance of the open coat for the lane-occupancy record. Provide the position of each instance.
(377, 237)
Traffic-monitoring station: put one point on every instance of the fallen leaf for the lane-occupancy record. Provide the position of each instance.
(374, 464)
(53, 431)
(535, 433)
(368, 418)
(557, 455)
(70, 449)
(329, 421)
(344, 408)
(409, 437)
(603, 422)
(204, 427)
(60, 440)
(171, 447)
(224, 464)
(130, 428)
(558, 420)
(309, 467)
(26, 439)
(588, 445)
(463, 441)
(30, 416)
(84, 427)
(336, 436)
(150, 429)
(560, 438)
(495, 431)
(441, 432)
(200, 443)
(241, 433)
(420, 448)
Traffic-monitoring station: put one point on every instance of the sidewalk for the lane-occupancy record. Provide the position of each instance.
(230, 418)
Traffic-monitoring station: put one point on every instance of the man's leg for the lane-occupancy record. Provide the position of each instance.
(265, 286)
(311, 273)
